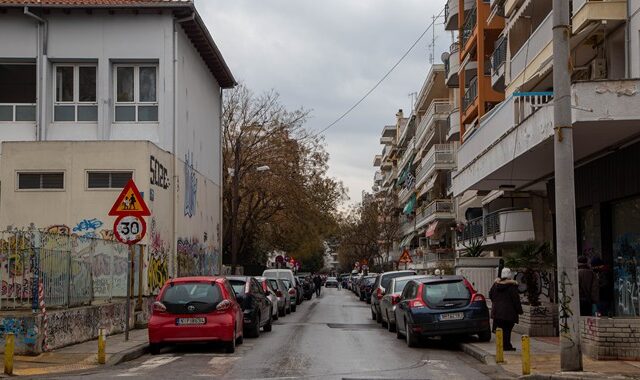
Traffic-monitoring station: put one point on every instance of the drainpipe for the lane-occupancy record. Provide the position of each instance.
(41, 79)
(627, 37)
(219, 227)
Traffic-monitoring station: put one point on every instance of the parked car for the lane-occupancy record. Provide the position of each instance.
(299, 290)
(285, 274)
(362, 286)
(368, 288)
(256, 307)
(271, 295)
(391, 298)
(331, 282)
(196, 309)
(307, 287)
(379, 288)
(441, 306)
(293, 294)
(284, 301)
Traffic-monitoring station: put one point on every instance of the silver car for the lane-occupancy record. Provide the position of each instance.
(271, 295)
(284, 301)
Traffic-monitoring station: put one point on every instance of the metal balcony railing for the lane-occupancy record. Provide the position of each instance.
(527, 103)
(470, 94)
(499, 56)
(469, 25)
(439, 206)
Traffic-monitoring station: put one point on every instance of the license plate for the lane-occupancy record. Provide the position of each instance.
(190, 321)
(451, 316)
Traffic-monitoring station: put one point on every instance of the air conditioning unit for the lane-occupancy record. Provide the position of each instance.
(599, 69)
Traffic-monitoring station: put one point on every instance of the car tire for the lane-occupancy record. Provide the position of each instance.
(373, 315)
(383, 322)
(288, 311)
(485, 336)
(154, 348)
(368, 300)
(412, 341)
(282, 312)
(378, 318)
(275, 316)
(398, 333)
(255, 330)
(391, 327)
(293, 308)
(240, 340)
(230, 347)
(269, 326)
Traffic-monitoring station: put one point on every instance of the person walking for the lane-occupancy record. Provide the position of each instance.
(317, 281)
(588, 285)
(506, 306)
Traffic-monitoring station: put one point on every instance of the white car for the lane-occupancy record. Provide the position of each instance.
(331, 282)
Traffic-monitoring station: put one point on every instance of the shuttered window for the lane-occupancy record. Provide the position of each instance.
(108, 180)
(37, 181)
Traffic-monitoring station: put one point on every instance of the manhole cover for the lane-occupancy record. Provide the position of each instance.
(352, 326)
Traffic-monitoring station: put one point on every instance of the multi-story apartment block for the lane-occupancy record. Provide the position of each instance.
(507, 156)
(93, 93)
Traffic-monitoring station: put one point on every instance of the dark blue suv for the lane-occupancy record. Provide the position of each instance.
(439, 306)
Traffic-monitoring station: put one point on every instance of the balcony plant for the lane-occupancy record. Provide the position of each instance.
(474, 247)
(532, 258)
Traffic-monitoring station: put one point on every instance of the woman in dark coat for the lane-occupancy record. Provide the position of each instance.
(505, 306)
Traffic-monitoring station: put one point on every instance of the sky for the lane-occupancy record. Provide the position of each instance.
(323, 56)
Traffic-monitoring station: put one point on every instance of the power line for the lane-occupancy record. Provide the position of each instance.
(347, 112)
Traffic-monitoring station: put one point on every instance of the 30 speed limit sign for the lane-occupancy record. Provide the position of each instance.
(130, 229)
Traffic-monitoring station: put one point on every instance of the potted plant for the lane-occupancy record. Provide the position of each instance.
(532, 258)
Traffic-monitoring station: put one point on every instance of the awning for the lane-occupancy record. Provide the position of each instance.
(407, 240)
(516, 16)
(411, 204)
(403, 176)
(432, 229)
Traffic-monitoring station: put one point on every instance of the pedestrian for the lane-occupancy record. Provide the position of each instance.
(605, 286)
(589, 288)
(506, 306)
(317, 281)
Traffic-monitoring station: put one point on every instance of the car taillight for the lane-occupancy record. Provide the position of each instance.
(292, 292)
(159, 307)
(395, 299)
(224, 305)
(478, 298)
(379, 293)
(279, 293)
(416, 304)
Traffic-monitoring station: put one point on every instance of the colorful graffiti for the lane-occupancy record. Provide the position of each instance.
(627, 275)
(195, 258)
(158, 270)
(88, 227)
(25, 332)
(191, 185)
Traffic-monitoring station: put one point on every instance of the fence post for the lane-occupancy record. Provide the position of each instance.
(102, 345)
(140, 272)
(499, 346)
(526, 355)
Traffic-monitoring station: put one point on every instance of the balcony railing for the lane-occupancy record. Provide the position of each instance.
(408, 153)
(527, 103)
(470, 94)
(499, 56)
(439, 207)
(438, 155)
(17, 112)
(438, 107)
(540, 38)
(469, 25)
(511, 221)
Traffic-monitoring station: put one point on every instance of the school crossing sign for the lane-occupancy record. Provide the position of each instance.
(130, 208)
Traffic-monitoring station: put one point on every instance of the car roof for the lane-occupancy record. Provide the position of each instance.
(412, 277)
(432, 279)
(196, 279)
(239, 278)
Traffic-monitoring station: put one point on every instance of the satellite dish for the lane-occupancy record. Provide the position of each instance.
(445, 57)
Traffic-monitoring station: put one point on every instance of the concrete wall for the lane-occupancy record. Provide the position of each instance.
(634, 51)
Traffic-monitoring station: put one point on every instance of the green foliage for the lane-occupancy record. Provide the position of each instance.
(474, 247)
(531, 258)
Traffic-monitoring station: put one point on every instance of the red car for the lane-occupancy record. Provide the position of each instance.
(196, 309)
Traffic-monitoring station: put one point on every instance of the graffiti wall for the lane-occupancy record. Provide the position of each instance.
(196, 258)
(158, 270)
(190, 185)
(546, 286)
(25, 330)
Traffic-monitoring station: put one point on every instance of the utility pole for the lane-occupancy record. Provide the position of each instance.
(567, 251)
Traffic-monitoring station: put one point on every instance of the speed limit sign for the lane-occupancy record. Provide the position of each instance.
(129, 229)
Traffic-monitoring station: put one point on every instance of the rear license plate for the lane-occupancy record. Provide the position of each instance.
(190, 321)
(451, 316)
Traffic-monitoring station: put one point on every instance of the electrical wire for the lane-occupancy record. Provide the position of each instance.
(366, 95)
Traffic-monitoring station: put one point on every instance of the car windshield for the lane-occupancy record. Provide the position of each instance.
(238, 286)
(369, 280)
(191, 297)
(386, 279)
(287, 283)
(441, 292)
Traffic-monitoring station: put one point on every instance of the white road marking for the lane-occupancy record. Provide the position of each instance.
(149, 365)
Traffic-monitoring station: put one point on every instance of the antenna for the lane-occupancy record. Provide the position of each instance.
(432, 45)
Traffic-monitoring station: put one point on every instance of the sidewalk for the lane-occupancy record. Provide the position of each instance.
(81, 356)
(545, 361)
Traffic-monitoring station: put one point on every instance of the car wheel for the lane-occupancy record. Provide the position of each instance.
(485, 336)
(373, 315)
(269, 326)
(288, 311)
(240, 340)
(293, 308)
(398, 334)
(275, 316)
(255, 330)
(391, 327)
(412, 341)
(368, 300)
(230, 347)
(154, 348)
(383, 322)
(378, 318)
(282, 312)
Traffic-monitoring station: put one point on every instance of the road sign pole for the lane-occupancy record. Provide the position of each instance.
(128, 311)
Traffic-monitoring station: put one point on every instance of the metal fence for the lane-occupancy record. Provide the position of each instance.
(73, 270)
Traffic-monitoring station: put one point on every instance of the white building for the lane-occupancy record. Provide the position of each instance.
(94, 93)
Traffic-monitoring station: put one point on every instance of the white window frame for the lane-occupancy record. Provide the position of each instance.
(76, 93)
(15, 105)
(87, 188)
(136, 103)
(48, 171)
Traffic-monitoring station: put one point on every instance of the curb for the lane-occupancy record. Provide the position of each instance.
(479, 354)
(573, 376)
(128, 354)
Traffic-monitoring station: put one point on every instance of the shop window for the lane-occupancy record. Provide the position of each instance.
(626, 257)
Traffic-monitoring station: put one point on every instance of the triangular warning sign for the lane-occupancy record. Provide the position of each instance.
(405, 258)
(130, 202)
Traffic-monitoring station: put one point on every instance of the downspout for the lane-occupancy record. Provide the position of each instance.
(176, 188)
(220, 225)
(41, 79)
(627, 37)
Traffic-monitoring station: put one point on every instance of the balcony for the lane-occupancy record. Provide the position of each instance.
(452, 66)
(517, 135)
(404, 194)
(501, 227)
(409, 153)
(470, 94)
(441, 209)
(439, 157)
(586, 12)
(437, 111)
(469, 26)
(498, 59)
(453, 134)
(407, 227)
(533, 54)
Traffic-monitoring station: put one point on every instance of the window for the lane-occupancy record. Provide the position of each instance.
(136, 93)
(40, 181)
(18, 92)
(108, 180)
(75, 94)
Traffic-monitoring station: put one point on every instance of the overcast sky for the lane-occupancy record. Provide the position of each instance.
(324, 55)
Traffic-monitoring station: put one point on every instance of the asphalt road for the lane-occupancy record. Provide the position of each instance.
(330, 337)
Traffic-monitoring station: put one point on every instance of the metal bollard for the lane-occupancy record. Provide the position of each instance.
(102, 345)
(8, 353)
(499, 346)
(526, 355)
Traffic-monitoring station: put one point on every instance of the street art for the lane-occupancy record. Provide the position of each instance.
(24, 330)
(191, 185)
(16, 290)
(545, 281)
(627, 275)
(565, 307)
(158, 270)
(59, 229)
(88, 225)
(159, 175)
(195, 258)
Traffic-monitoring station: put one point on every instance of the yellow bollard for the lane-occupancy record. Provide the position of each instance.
(8, 353)
(526, 355)
(499, 346)
(102, 345)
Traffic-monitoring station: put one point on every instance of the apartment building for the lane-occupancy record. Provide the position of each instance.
(95, 93)
(507, 156)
